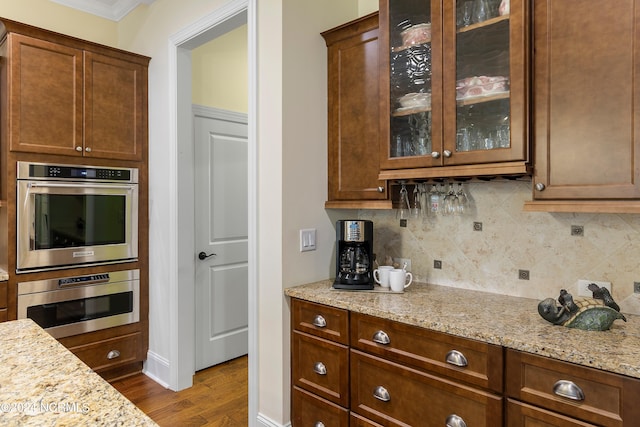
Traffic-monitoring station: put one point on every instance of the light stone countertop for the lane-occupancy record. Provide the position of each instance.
(43, 383)
(508, 321)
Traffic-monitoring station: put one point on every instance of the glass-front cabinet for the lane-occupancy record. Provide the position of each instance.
(456, 79)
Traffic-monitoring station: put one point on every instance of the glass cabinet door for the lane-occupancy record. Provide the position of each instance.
(488, 95)
(412, 56)
(456, 74)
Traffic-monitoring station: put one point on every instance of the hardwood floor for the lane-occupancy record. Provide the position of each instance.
(218, 397)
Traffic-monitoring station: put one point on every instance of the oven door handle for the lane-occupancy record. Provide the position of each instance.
(83, 185)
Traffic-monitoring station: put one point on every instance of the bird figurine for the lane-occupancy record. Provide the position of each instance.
(590, 314)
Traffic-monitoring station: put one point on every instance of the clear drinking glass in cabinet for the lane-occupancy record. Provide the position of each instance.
(482, 75)
(410, 78)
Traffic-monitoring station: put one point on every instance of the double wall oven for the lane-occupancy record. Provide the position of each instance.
(71, 216)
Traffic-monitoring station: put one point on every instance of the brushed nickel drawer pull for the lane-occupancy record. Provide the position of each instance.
(568, 389)
(113, 354)
(319, 322)
(319, 424)
(319, 368)
(456, 358)
(454, 420)
(381, 393)
(381, 337)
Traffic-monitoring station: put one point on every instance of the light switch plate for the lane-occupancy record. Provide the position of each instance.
(307, 239)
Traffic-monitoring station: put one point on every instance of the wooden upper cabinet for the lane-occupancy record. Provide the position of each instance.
(353, 97)
(74, 98)
(45, 96)
(115, 107)
(586, 106)
(454, 93)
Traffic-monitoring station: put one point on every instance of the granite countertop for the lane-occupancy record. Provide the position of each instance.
(43, 383)
(508, 321)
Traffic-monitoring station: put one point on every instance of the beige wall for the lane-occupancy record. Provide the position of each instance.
(52, 16)
(219, 72)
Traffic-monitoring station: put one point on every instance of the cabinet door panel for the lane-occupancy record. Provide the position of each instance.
(311, 410)
(45, 96)
(321, 367)
(586, 103)
(414, 397)
(523, 415)
(353, 111)
(115, 105)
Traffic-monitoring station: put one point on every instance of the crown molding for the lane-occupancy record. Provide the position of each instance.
(114, 10)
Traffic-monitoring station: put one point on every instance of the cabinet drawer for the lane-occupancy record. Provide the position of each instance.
(310, 410)
(520, 414)
(607, 399)
(110, 352)
(430, 350)
(3, 315)
(359, 421)
(391, 394)
(320, 320)
(321, 367)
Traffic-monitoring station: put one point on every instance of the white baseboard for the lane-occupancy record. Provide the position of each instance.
(157, 368)
(266, 422)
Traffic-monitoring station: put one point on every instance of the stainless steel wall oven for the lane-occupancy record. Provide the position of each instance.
(70, 216)
(74, 305)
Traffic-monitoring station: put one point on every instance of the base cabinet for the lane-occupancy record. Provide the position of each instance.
(549, 390)
(314, 411)
(522, 415)
(392, 394)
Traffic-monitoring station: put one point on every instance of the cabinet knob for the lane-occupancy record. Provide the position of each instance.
(78, 148)
(540, 186)
(454, 420)
(319, 322)
(319, 368)
(435, 154)
(88, 149)
(319, 424)
(380, 189)
(568, 389)
(456, 358)
(447, 153)
(381, 393)
(381, 337)
(113, 354)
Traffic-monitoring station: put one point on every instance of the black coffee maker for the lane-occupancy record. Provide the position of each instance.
(354, 255)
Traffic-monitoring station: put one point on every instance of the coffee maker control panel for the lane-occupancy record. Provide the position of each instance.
(354, 231)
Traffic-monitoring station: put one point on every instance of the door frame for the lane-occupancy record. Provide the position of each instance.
(181, 193)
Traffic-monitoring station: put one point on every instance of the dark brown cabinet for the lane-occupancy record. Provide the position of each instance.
(65, 99)
(68, 101)
(552, 391)
(353, 97)
(319, 365)
(586, 74)
(454, 94)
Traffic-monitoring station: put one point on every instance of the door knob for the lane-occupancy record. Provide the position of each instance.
(204, 255)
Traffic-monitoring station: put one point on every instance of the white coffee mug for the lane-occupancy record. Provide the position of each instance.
(381, 275)
(398, 279)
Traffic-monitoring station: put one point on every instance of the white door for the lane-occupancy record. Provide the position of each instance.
(221, 215)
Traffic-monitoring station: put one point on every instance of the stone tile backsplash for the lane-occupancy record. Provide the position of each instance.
(513, 240)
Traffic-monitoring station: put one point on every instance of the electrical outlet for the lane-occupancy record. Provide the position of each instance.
(437, 264)
(636, 287)
(401, 261)
(583, 287)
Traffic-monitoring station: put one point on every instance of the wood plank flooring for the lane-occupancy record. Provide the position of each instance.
(219, 397)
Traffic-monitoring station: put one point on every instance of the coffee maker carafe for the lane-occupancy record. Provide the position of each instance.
(354, 255)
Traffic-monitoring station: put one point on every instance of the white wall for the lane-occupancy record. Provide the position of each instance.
(291, 167)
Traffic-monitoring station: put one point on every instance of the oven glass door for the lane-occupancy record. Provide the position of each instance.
(72, 220)
(69, 224)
